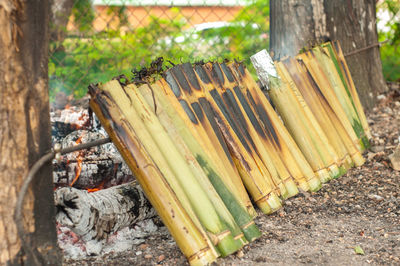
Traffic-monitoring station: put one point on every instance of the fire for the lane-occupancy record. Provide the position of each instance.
(78, 168)
(96, 188)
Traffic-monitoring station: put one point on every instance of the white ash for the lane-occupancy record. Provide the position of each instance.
(72, 115)
(123, 240)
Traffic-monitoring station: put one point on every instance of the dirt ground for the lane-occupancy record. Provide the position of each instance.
(362, 208)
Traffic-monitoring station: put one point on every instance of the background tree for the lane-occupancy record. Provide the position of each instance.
(25, 131)
(296, 24)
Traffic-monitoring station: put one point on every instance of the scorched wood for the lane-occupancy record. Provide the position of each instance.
(97, 167)
(95, 216)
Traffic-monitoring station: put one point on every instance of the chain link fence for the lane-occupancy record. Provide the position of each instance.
(95, 40)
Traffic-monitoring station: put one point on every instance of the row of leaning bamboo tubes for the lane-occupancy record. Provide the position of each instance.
(205, 142)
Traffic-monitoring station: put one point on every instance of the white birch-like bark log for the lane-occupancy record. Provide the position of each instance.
(94, 216)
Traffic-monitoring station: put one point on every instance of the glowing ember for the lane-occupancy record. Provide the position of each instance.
(79, 158)
(101, 186)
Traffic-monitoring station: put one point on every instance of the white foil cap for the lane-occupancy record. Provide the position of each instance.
(264, 66)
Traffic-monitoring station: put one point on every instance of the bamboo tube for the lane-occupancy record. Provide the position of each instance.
(191, 239)
(212, 142)
(172, 164)
(322, 126)
(253, 171)
(243, 147)
(327, 65)
(315, 97)
(191, 161)
(240, 109)
(318, 75)
(273, 125)
(291, 112)
(201, 164)
(298, 77)
(337, 55)
(266, 199)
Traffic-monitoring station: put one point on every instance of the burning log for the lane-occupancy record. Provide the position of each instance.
(95, 216)
(96, 168)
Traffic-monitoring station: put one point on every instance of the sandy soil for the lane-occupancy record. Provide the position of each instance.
(362, 208)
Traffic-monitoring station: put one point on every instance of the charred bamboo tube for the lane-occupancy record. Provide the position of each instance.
(319, 76)
(291, 112)
(332, 156)
(240, 110)
(223, 199)
(191, 239)
(168, 158)
(266, 198)
(253, 171)
(297, 77)
(341, 65)
(325, 61)
(324, 113)
(274, 126)
(212, 141)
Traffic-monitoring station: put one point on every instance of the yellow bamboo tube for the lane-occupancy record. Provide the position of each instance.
(333, 77)
(191, 239)
(314, 69)
(168, 158)
(312, 94)
(293, 115)
(272, 123)
(334, 160)
(210, 142)
(304, 87)
(183, 139)
(257, 185)
(257, 167)
(234, 99)
(350, 85)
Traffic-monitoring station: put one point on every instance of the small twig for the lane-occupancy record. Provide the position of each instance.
(365, 48)
(27, 181)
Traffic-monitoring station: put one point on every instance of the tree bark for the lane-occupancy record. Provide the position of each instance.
(25, 131)
(296, 24)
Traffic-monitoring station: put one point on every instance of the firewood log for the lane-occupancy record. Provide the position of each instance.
(97, 167)
(94, 216)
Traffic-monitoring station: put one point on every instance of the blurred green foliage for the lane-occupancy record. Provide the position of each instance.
(390, 51)
(86, 56)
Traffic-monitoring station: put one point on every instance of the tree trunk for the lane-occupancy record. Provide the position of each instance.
(25, 131)
(296, 24)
